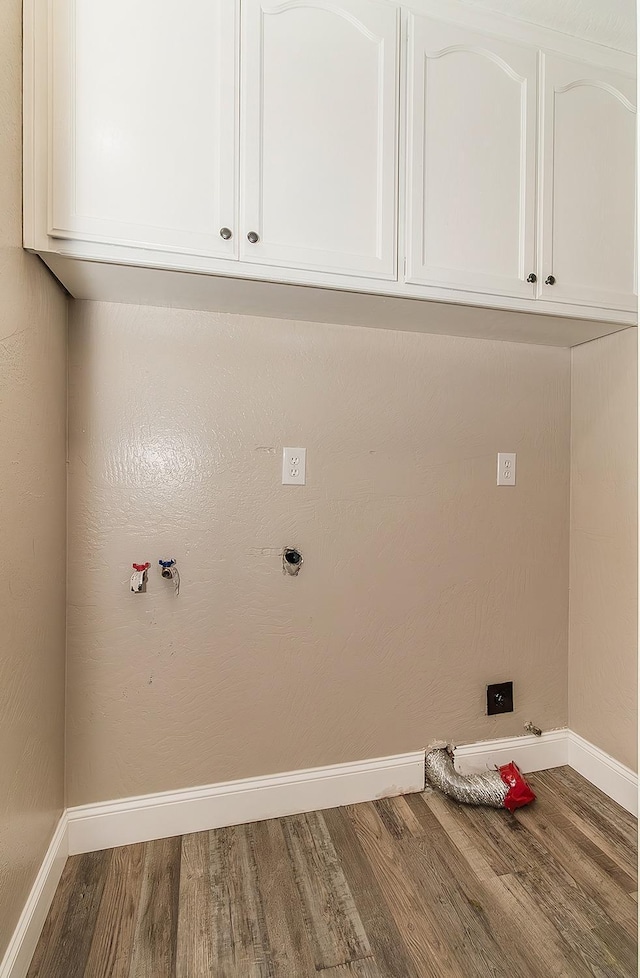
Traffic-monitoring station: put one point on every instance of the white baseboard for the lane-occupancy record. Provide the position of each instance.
(17, 959)
(129, 820)
(602, 770)
(141, 819)
(158, 816)
(529, 752)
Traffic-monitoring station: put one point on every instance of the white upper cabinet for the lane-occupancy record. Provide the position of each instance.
(471, 160)
(143, 126)
(409, 148)
(588, 186)
(319, 107)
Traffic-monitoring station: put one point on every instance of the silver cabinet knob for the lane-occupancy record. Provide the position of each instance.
(225, 233)
(532, 278)
(550, 280)
(253, 236)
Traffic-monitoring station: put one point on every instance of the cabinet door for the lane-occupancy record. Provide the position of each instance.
(472, 155)
(588, 172)
(143, 126)
(318, 147)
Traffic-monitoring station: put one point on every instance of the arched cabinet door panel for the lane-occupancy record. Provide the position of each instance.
(588, 213)
(471, 160)
(144, 122)
(319, 134)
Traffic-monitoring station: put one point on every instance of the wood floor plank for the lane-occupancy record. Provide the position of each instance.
(579, 857)
(155, 940)
(531, 933)
(337, 932)
(66, 939)
(576, 789)
(363, 968)
(427, 944)
(537, 900)
(399, 821)
(572, 911)
(619, 945)
(622, 851)
(377, 919)
(484, 865)
(520, 915)
(240, 940)
(531, 856)
(584, 942)
(195, 956)
(577, 916)
(587, 800)
(500, 833)
(478, 928)
(112, 945)
(623, 879)
(53, 926)
(625, 857)
(289, 942)
(618, 840)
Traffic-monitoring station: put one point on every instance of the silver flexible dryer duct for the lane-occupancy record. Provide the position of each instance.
(472, 789)
(503, 788)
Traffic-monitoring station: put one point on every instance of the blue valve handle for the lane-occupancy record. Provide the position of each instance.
(166, 563)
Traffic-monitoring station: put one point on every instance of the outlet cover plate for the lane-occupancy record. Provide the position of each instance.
(294, 466)
(506, 468)
(499, 698)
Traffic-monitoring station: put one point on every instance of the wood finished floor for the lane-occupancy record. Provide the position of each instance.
(399, 888)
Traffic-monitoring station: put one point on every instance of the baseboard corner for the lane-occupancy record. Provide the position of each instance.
(554, 748)
(17, 958)
(613, 778)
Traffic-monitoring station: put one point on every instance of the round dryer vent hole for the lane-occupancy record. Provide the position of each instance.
(291, 561)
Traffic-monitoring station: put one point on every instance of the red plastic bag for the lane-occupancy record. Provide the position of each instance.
(519, 792)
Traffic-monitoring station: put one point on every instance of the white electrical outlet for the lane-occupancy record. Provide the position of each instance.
(294, 466)
(506, 468)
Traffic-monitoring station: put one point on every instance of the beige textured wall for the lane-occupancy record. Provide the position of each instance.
(604, 534)
(32, 520)
(422, 580)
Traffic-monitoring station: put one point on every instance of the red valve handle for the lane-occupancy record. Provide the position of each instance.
(141, 567)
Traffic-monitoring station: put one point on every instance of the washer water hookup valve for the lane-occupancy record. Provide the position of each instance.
(170, 573)
(139, 578)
